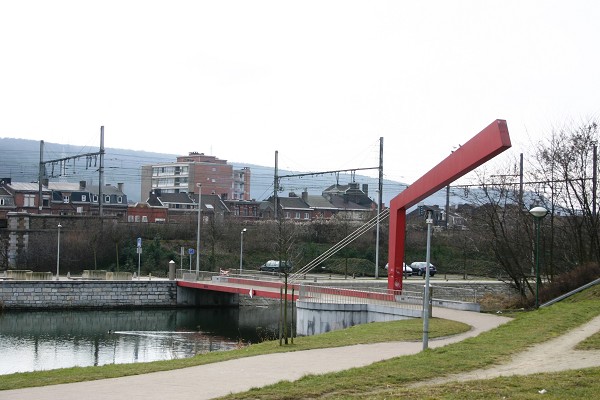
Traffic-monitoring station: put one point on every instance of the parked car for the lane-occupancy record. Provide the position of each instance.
(406, 270)
(419, 268)
(273, 266)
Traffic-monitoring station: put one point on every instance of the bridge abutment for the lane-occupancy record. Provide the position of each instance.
(205, 298)
(314, 318)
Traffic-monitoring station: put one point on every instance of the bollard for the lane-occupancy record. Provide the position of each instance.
(171, 270)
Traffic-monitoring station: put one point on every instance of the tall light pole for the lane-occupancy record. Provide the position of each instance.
(377, 239)
(199, 185)
(426, 295)
(241, 248)
(58, 251)
(538, 213)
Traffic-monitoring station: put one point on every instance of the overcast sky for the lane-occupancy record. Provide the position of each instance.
(319, 81)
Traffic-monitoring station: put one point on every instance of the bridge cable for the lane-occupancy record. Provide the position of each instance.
(338, 246)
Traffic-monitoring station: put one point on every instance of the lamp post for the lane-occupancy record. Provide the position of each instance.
(377, 240)
(241, 248)
(58, 251)
(199, 185)
(426, 295)
(538, 213)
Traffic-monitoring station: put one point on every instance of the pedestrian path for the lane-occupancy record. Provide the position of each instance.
(219, 379)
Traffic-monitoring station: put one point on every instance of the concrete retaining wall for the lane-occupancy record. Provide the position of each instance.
(314, 318)
(87, 294)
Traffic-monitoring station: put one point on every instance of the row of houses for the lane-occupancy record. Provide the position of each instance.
(64, 198)
(347, 201)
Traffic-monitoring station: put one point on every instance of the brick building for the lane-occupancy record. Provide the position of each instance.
(216, 176)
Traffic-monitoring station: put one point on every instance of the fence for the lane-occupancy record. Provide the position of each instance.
(326, 294)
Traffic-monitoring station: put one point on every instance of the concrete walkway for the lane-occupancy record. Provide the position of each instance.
(219, 379)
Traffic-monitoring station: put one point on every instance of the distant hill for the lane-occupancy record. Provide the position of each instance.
(19, 160)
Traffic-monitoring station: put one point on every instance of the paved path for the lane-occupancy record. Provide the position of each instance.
(219, 379)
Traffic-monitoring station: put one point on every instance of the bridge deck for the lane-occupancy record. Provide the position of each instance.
(242, 286)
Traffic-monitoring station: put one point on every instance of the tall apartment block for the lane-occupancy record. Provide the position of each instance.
(216, 176)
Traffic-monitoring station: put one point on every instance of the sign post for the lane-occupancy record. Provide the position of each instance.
(191, 253)
(139, 253)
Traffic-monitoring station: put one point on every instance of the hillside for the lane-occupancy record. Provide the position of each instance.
(19, 160)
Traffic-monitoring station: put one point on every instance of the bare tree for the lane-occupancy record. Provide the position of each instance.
(502, 227)
(565, 180)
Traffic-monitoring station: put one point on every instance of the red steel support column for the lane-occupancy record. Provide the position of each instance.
(484, 146)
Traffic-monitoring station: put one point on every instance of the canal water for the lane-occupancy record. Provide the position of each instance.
(41, 340)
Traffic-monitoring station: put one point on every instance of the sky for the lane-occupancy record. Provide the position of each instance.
(320, 82)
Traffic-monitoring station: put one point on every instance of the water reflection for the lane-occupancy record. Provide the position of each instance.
(31, 341)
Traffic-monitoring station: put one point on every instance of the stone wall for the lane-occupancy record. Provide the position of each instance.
(87, 294)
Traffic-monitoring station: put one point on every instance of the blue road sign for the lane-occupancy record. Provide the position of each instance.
(191, 251)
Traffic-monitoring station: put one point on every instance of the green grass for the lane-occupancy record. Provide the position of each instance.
(389, 379)
(368, 333)
(591, 343)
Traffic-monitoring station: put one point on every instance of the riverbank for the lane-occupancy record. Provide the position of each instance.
(386, 379)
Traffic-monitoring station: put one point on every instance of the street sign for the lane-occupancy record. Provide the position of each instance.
(191, 251)
(139, 242)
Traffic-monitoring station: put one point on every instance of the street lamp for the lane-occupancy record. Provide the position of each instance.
(241, 248)
(58, 251)
(426, 292)
(538, 213)
(199, 185)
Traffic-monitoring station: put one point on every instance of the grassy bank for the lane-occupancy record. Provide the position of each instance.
(390, 379)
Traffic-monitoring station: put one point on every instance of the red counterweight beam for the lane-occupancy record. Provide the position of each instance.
(484, 146)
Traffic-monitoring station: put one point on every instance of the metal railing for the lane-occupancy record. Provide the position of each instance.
(381, 296)
(187, 275)
(454, 294)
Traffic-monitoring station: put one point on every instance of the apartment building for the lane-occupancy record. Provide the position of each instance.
(216, 177)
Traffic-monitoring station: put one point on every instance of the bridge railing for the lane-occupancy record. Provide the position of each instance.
(454, 294)
(383, 296)
(187, 275)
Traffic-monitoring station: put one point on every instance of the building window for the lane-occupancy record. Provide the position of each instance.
(83, 197)
(29, 200)
(306, 216)
(130, 218)
(95, 198)
(65, 199)
(107, 199)
(297, 215)
(1, 202)
(144, 218)
(119, 199)
(287, 214)
(137, 218)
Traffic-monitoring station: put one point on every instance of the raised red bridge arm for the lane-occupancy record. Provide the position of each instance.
(487, 144)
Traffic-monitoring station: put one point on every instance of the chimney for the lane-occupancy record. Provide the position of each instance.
(365, 188)
(305, 195)
(82, 185)
(120, 186)
(45, 182)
